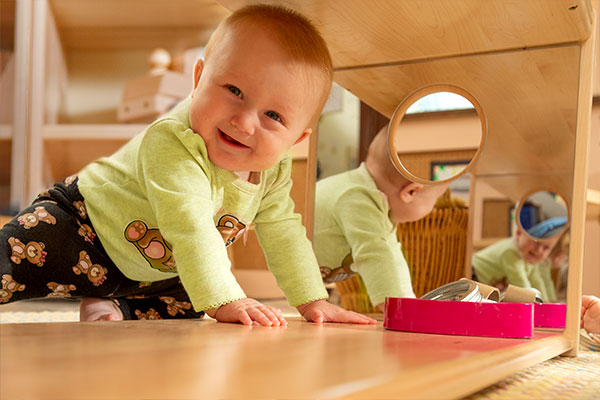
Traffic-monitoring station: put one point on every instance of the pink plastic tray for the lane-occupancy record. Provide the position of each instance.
(510, 320)
(550, 315)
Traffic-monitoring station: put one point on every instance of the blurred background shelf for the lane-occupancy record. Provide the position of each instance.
(80, 132)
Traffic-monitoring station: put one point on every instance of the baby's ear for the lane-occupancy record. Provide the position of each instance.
(304, 135)
(409, 192)
(198, 67)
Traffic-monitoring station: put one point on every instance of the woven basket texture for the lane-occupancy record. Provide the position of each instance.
(434, 248)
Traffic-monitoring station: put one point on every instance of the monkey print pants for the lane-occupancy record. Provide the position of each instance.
(51, 250)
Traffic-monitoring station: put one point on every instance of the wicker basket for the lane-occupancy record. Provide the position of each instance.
(353, 295)
(434, 247)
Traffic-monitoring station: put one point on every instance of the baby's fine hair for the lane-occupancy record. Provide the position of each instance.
(296, 34)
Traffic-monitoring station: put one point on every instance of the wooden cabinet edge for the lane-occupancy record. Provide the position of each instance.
(91, 131)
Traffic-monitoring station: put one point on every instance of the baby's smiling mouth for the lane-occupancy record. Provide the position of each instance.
(231, 140)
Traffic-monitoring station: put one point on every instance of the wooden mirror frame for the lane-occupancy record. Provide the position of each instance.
(400, 113)
(524, 199)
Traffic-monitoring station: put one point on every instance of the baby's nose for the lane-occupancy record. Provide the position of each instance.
(245, 122)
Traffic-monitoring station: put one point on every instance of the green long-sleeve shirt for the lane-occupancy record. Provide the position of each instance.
(161, 187)
(503, 260)
(352, 217)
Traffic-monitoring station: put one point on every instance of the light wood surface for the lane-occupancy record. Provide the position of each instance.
(527, 108)
(7, 23)
(360, 33)
(209, 360)
(580, 186)
(136, 24)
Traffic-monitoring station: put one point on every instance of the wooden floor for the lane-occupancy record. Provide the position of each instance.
(208, 360)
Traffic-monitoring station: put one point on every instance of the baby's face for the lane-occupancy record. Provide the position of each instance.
(250, 103)
(534, 251)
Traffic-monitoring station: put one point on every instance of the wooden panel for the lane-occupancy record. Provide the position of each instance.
(596, 71)
(419, 164)
(67, 157)
(231, 361)
(496, 218)
(136, 24)
(5, 157)
(7, 25)
(361, 33)
(7, 86)
(529, 99)
(439, 131)
(371, 121)
(580, 184)
(19, 165)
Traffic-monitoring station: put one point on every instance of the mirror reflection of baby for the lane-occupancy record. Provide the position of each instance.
(521, 260)
(356, 216)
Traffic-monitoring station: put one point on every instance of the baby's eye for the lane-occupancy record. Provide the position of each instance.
(233, 89)
(273, 115)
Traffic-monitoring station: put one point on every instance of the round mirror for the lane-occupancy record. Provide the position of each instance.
(543, 214)
(424, 142)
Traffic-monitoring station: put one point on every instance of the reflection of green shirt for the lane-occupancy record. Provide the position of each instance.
(503, 260)
(351, 216)
(164, 178)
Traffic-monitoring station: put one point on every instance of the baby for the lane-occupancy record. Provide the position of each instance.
(143, 233)
(356, 216)
(521, 261)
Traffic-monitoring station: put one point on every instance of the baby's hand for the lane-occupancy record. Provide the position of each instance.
(248, 311)
(590, 313)
(320, 311)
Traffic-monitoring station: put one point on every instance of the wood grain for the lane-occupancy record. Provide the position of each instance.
(209, 360)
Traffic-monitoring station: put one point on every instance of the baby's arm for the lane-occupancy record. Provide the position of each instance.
(320, 311)
(590, 313)
(248, 311)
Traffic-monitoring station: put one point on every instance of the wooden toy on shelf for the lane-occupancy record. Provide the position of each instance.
(149, 96)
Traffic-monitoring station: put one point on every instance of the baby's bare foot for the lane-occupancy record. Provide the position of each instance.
(94, 309)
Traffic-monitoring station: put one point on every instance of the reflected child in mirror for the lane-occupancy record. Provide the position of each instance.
(356, 217)
(525, 260)
(142, 234)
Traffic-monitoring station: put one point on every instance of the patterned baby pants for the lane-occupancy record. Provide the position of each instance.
(50, 249)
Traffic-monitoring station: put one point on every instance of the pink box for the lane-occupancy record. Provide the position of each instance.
(509, 320)
(550, 315)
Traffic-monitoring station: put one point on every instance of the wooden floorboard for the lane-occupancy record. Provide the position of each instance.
(196, 359)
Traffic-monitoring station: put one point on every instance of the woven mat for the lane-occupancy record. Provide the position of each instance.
(564, 378)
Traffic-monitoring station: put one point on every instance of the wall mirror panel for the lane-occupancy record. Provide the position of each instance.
(529, 100)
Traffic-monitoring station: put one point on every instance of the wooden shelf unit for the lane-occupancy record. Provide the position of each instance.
(54, 37)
